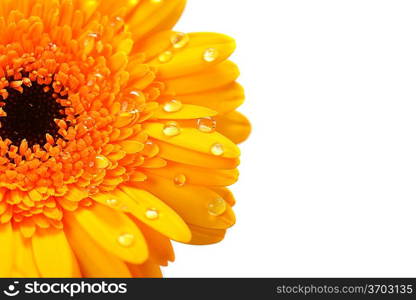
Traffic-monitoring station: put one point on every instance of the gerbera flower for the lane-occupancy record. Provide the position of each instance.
(117, 135)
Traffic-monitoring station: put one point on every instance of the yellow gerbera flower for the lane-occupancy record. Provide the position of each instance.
(117, 135)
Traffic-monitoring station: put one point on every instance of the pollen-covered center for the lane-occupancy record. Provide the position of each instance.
(30, 114)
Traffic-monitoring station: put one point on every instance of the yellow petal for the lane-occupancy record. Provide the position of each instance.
(94, 261)
(225, 193)
(155, 44)
(222, 100)
(190, 157)
(196, 175)
(187, 111)
(190, 202)
(193, 139)
(206, 236)
(75, 194)
(234, 125)
(113, 231)
(154, 16)
(139, 202)
(149, 269)
(160, 246)
(190, 59)
(131, 146)
(6, 249)
(214, 77)
(53, 255)
(24, 262)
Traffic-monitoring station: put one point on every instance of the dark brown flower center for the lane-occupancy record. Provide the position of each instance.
(30, 115)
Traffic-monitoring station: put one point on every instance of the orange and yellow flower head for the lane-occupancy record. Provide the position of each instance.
(117, 135)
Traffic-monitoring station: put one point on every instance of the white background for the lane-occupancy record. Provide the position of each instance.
(328, 176)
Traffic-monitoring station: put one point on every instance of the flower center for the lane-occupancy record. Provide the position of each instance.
(30, 114)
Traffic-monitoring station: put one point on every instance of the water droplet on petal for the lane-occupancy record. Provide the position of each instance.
(217, 207)
(156, 1)
(207, 125)
(179, 40)
(179, 180)
(217, 149)
(101, 162)
(165, 57)
(126, 239)
(93, 35)
(172, 106)
(171, 129)
(99, 76)
(135, 93)
(210, 54)
(53, 46)
(112, 202)
(152, 214)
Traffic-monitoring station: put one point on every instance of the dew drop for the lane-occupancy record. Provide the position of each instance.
(156, 1)
(166, 56)
(206, 125)
(179, 40)
(210, 54)
(136, 94)
(152, 214)
(172, 106)
(217, 149)
(101, 162)
(217, 207)
(112, 202)
(179, 180)
(99, 76)
(171, 129)
(93, 35)
(126, 239)
(53, 46)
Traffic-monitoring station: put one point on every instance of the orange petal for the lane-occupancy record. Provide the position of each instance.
(206, 236)
(193, 209)
(234, 125)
